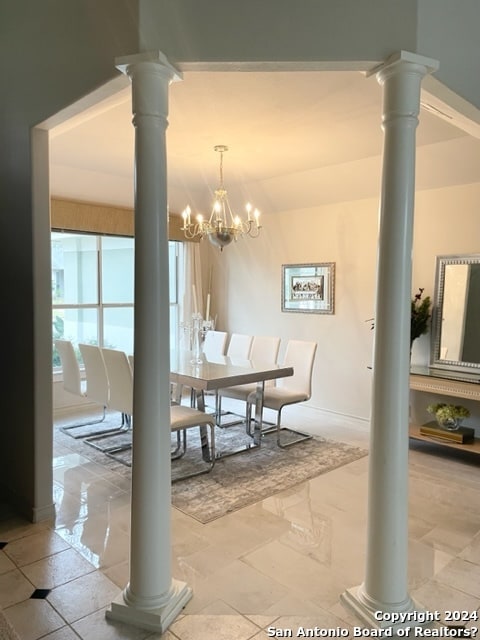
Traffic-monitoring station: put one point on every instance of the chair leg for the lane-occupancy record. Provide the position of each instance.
(125, 427)
(181, 447)
(78, 425)
(211, 463)
(302, 436)
(271, 426)
(276, 427)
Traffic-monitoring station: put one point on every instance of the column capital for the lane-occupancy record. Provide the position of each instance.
(401, 59)
(127, 64)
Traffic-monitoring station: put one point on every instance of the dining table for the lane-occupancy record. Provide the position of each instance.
(205, 374)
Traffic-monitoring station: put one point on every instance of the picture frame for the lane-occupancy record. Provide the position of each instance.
(308, 288)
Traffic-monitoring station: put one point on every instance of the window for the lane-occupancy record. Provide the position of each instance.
(93, 290)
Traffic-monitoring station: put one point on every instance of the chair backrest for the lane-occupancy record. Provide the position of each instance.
(265, 349)
(214, 343)
(300, 355)
(72, 380)
(120, 379)
(239, 346)
(96, 373)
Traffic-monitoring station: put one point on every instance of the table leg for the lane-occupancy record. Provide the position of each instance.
(177, 395)
(257, 430)
(200, 402)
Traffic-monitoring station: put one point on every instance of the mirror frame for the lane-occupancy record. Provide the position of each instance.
(435, 360)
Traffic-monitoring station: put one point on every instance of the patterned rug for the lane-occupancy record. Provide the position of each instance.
(234, 481)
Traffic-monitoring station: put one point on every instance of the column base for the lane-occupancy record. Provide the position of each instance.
(152, 619)
(407, 614)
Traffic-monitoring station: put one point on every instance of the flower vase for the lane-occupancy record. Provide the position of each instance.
(450, 424)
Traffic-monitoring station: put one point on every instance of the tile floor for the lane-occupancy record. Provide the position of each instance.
(281, 562)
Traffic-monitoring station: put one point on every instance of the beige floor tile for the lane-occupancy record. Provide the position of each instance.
(452, 534)
(287, 567)
(16, 528)
(418, 526)
(258, 518)
(206, 561)
(121, 482)
(65, 633)
(69, 509)
(119, 574)
(472, 551)
(5, 563)
(96, 627)
(207, 627)
(463, 575)
(35, 547)
(58, 569)
(435, 596)
(186, 542)
(120, 513)
(74, 471)
(424, 562)
(292, 604)
(244, 588)
(219, 608)
(262, 621)
(97, 540)
(345, 615)
(33, 619)
(300, 626)
(205, 593)
(83, 596)
(14, 588)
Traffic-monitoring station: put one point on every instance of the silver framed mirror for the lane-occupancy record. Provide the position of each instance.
(456, 314)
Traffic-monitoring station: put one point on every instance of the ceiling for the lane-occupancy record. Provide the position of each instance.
(296, 139)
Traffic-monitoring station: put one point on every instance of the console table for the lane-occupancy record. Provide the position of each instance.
(445, 383)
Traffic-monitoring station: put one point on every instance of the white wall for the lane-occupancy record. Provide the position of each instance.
(251, 302)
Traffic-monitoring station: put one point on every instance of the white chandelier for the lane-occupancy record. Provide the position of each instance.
(223, 226)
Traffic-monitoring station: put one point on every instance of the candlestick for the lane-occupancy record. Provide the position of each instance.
(194, 295)
(207, 311)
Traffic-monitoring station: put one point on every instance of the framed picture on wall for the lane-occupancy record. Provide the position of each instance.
(308, 288)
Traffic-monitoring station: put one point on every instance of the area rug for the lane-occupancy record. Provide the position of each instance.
(243, 479)
(236, 481)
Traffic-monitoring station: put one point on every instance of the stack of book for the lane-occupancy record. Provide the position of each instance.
(462, 435)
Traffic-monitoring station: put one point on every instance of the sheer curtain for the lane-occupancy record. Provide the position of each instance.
(190, 282)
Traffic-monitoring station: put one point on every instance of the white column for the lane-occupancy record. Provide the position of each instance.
(385, 588)
(152, 599)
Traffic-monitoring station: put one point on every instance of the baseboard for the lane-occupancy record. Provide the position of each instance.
(24, 509)
(359, 421)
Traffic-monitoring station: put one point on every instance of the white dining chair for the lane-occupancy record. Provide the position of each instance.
(95, 373)
(214, 344)
(183, 418)
(300, 355)
(264, 350)
(98, 387)
(120, 379)
(239, 346)
(73, 383)
(238, 351)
